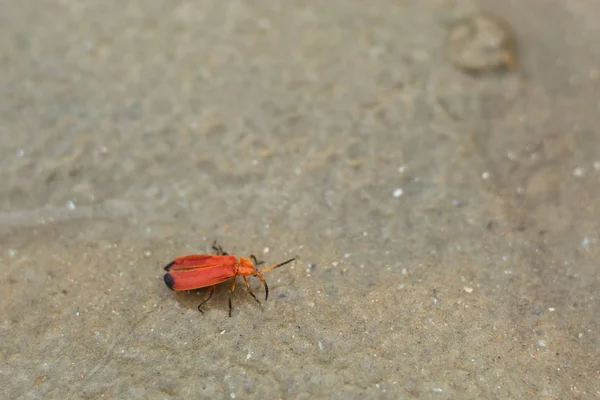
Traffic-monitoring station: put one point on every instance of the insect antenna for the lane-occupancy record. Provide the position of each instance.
(260, 276)
(276, 266)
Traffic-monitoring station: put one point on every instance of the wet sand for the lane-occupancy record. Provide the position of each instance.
(446, 223)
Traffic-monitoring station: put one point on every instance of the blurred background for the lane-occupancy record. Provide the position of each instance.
(434, 165)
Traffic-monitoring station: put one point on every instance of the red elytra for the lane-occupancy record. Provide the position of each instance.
(203, 270)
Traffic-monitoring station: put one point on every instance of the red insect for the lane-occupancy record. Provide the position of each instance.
(199, 271)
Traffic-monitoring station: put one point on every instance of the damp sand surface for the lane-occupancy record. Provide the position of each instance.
(446, 223)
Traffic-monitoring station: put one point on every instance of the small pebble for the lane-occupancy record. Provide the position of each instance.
(585, 243)
(482, 43)
(398, 192)
(578, 172)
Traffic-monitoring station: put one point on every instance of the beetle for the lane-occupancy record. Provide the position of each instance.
(203, 270)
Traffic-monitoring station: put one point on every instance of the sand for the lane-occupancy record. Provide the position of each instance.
(446, 224)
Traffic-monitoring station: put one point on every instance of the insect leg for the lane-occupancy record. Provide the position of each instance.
(255, 261)
(212, 290)
(262, 279)
(250, 290)
(230, 293)
(218, 249)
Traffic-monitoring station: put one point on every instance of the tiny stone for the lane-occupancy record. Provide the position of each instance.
(468, 289)
(485, 175)
(482, 43)
(398, 192)
(578, 172)
(585, 242)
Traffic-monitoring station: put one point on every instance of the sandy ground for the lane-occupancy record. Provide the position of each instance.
(447, 225)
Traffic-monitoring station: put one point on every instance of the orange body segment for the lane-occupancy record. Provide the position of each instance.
(199, 271)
